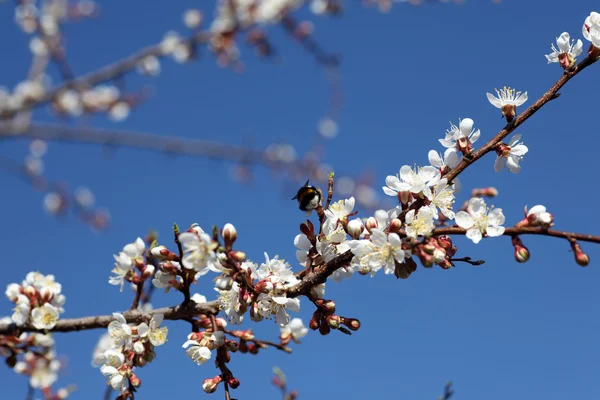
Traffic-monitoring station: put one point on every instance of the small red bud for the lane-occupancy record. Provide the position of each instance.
(233, 382)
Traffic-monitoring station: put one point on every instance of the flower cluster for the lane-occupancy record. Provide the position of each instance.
(128, 347)
(38, 301)
(34, 356)
(127, 261)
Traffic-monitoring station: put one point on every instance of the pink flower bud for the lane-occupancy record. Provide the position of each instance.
(134, 380)
(326, 305)
(355, 228)
(351, 323)
(160, 252)
(148, 271)
(229, 234)
(395, 225)
(233, 382)
(210, 384)
(371, 223)
(333, 321)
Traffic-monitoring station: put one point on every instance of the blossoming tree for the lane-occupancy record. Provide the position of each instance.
(336, 240)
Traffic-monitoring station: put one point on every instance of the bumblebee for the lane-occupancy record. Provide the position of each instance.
(309, 197)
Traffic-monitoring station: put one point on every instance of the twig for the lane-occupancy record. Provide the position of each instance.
(468, 261)
(138, 294)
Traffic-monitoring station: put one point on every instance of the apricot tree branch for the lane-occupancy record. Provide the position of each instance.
(179, 312)
(551, 94)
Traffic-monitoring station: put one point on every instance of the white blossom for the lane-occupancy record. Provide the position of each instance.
(443, 198)
(507, 97)
(111, 370)
(417, 180)
(123, 268)
(45, 373)
(198, 252)
(21, 310)
(449, 159)
(567, 48)
(198, 353)
(295, 329)
(538, 216)
(229, 302)
(120, 332)
(513, 154)
(156, 334)
(44, 317)
(339, 212)
(421, 224)
(479, 220)
(591, 28)
(277, 305)
(464, 131)
(380, 251)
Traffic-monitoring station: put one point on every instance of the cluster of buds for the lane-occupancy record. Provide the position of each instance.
(437, 250)
(38, 301)
(537, 216)
(324, 319)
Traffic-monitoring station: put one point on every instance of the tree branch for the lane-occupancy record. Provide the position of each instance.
(102, 321)
(104, 74)
(551, 94)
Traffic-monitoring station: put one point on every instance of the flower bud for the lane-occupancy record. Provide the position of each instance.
(233, 382)
(351, 323)
(428, 249)
(46, 293)
(224, 282)
(264, 286)
(521, 252)
(134, 380)
(160, 252)
(371, 223)
(395, 225)
(210, 384)
(582, 259)
(485, 192)
(355, 228)
(232, 346)
(439, 256)
(148, 271)
(333, 321)
(229, 234)
(253, 348)
(13, 291)
(308, 229)
(30, 291)
(238, 256)
(315, 321)
(326, 305)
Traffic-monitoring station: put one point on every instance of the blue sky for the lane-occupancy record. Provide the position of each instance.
(501, 330)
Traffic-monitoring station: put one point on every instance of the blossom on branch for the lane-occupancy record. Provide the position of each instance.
(566, 52)
(510, 155)
(591, 29)
(479, 220)
(507, 100)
